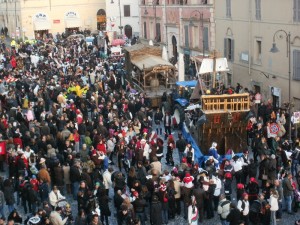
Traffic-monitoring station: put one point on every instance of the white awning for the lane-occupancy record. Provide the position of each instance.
(73, 22)
(41, 25)
(149, 61)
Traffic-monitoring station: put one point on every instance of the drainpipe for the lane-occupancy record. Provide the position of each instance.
(249, 37)
(166, 28)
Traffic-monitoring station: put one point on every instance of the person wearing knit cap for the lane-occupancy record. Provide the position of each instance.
(252, 189)
(188, 180)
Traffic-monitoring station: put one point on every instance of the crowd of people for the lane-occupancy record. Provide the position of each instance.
(74, 128)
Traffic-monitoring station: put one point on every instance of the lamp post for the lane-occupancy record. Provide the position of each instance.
(154, 3)
(120, 27)
(202, 26)
(274, 49)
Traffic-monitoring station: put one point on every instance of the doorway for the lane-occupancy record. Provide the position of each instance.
(101, 19)
(128, 31)
(174, 47)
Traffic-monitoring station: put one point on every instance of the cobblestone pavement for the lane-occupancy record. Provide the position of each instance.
(287, 219)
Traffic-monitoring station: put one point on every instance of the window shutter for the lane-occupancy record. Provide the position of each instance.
(294, 10)
(126, 10)
(145, 30)
(296, 64)
(225, 47)
(232, 50)
(298, 11)
(158, 35)
(205, 37)
(186, 35)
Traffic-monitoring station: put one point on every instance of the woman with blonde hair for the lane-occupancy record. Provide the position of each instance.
(274, 205)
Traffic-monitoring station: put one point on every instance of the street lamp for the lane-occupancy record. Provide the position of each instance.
(154, 3)
(202, 26)
(120, 27)
(274, 49)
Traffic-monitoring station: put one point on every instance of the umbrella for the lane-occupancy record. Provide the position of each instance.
(181, 68)
(96, 32)
(117, 42)
(165, 54)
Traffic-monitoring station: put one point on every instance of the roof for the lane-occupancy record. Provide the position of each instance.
(148, 62)
(139, 47)
(191, 83)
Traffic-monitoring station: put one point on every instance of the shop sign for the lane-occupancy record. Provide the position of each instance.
(56, 21)
(40, 16)
(72, 14)
(296, 117)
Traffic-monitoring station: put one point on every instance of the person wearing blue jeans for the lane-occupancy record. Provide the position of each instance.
(288, 192)
(139, 205)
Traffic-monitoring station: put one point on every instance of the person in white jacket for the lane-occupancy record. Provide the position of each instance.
(55, 196)
(107, 179)
(193, 214)
(274, 205)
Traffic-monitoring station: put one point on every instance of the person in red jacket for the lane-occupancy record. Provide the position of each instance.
(76, 137)
(13, 62)
(35, 183)
(101, 146)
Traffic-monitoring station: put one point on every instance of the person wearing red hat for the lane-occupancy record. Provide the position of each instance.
(163, 196)
(252, 189)
(243, 207)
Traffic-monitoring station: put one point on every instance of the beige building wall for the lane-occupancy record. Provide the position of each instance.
(21, 14)
(253, 65)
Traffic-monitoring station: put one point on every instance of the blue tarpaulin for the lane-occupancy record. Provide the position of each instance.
(190, 83)
(199, 157)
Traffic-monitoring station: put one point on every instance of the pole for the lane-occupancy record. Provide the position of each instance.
(155, 30)
(290, 82)
(120, 17)
(202, 25)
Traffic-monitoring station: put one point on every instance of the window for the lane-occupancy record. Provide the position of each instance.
(186, 35)
(229, 49)
(196, 37)
(158, 34)
(145, 30)
(296, 65)
(205, 37)
(229, 79)
(258, 51)
(228, 8)
(258, 9)
(126, 10)
(297, 10)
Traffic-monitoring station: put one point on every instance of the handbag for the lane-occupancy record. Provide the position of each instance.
(264, 176)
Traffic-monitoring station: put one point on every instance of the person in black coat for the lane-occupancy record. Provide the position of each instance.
(199, 194)
(263, 169)
(58, 175)
(103, 204)
(14, 215)
(155, 211)
(234, 217)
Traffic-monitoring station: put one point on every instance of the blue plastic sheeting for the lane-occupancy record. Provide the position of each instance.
(198, 154)
(188, 137)
(222, 157)
(190, 83)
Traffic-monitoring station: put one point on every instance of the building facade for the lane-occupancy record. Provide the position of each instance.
(183, 26)
(32, 18)
(123, 17)
(245, 33)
